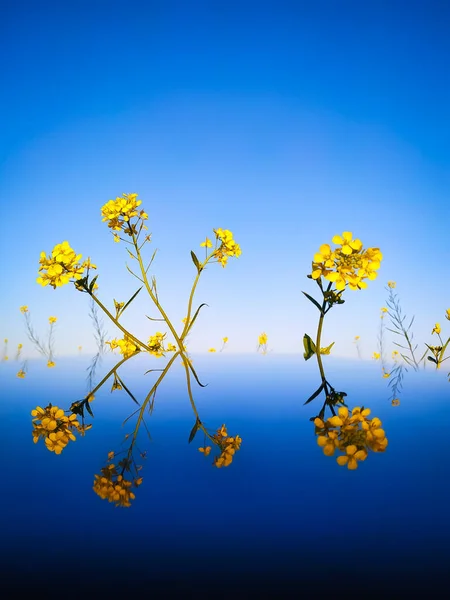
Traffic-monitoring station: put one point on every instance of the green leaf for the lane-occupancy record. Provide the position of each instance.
(131, 299)
(195, 316)
(127, 390)
(195, 261)
(310, 347)
(194, 430)
(195, 375)
(430, 358)
(313, 301)
(316, 393)
(89, 409)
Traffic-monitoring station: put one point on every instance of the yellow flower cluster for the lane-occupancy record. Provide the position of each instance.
(112, 486)
(23, 309)
(436, 329)
(228, 446)
(60, 267)
(55, 427)
(118, 212)
(348, 264)
(447, 314)
(126, 346)
(21, 374)
(353, 435)
(156, 344)
(227, 248)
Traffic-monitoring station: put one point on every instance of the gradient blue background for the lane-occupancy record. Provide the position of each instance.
(285, 122)
(282, 514)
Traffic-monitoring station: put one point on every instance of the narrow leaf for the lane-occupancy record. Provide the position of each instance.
(194, 430)
(196, 314)
(313, 301)
(131, 299)
(316, 393)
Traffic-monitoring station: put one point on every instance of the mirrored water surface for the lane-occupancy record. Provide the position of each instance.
(282, 517)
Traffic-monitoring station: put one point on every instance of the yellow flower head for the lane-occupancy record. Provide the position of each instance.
(112, 486)
(118, 213)
(50, 364)
(436, 329)
(60, 267)
(376, 355)
(21, 374)
(391, 284)
(225, 340)
(212, 350)
(227, 248)
(54, 426)
(262, 339)
(347, 265)
(206, 450)
(356, 337)
(447, 314)
(24, 309)
(207, 243)
(395, 402)
(52, 320)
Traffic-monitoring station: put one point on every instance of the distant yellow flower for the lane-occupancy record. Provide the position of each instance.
(52, 320)
(207, 243)
(391, 284)
(225, 340)
(184, 320)
(384, 310)
(436, 329)
(24, 309)
(262, 339)
(6, 358)
(376, 356)
(19, 346)
(356, 337)
(386, 375)
(394, 354)
(50, 364)
(116, 238)
(79, 347)
(205, 450)
(6, 340)
(110, 455)
(171, 347)
(21, 374)
(447, 316)
(395, 402)
(212, 350)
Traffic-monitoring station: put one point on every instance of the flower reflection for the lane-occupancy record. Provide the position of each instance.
(350, 435)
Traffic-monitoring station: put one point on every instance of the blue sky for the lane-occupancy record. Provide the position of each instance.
(284, 122)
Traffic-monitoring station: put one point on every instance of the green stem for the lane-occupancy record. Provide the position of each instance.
(191, 398)
(151, 294)
(116, 322)
(147, 399)
(191, 296)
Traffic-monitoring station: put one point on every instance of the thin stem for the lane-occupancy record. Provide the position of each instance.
(116, 322)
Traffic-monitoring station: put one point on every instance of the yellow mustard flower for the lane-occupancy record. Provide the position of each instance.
(52, 320)
(436, 329)
(212, 350)
(51, 364)
(206, 450)
(228, 247)
(207, 243)
(112, 486)
(24, 309)
(386, 375)
(262, 339)
(447, 314)
(352, 457)
(395, 402)
(118, 213)
(348, 265)
(376, 355)
(21, 374)
(356, 337)
(391, 284)
(225, 340)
